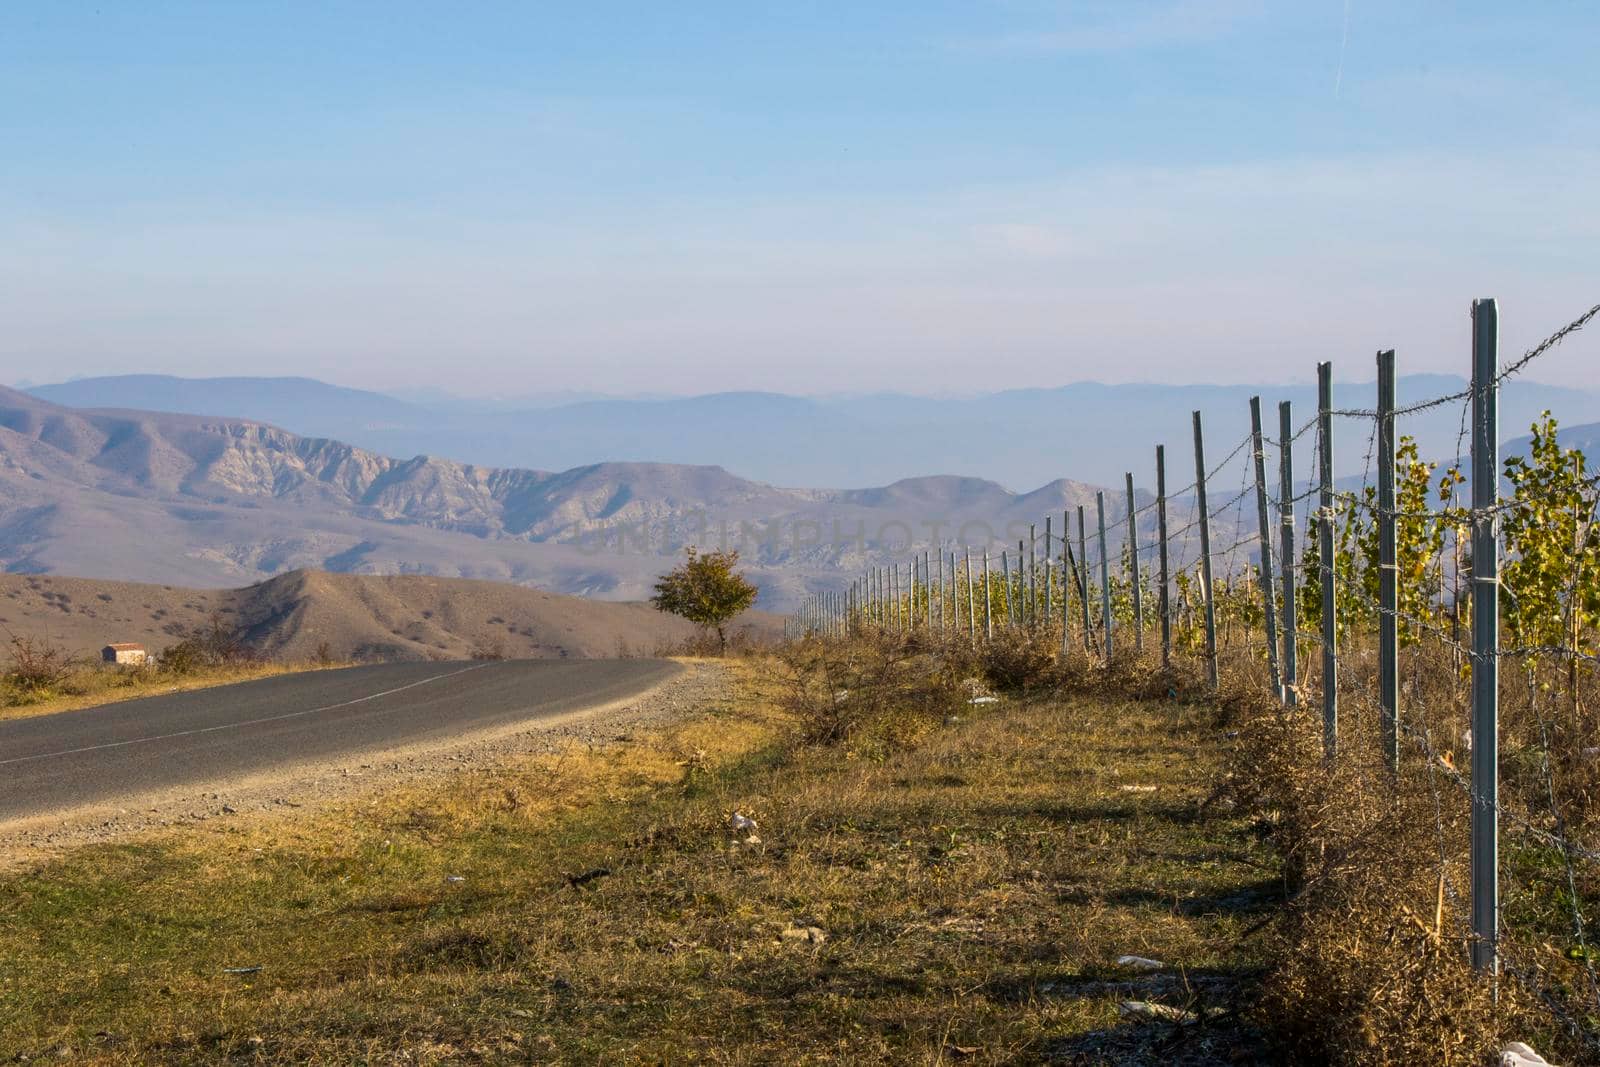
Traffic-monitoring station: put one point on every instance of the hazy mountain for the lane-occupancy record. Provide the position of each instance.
(1089, 432)
(304, 405)
(213, 501)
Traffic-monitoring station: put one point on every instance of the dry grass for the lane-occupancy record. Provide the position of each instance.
(976, 881)
(1371, 953)
(93, 685)
(1369, 956)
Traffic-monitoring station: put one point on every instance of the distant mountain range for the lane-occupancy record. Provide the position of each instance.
(206, 500)
(210, 501)
(1086, 432)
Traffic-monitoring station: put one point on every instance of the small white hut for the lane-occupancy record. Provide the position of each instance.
(125, 655)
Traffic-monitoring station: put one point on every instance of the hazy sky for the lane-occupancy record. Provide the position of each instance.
(809, 197)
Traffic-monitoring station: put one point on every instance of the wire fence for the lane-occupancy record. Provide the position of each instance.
(1412, 600)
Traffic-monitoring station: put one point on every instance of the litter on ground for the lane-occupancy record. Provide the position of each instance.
(1140, 963)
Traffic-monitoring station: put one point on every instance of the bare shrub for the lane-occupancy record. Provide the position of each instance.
(1018, 660)
(704, 643)
(873, 686)
(37, 665)
(206, 648)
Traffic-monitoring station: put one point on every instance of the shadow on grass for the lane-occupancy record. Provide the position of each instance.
(1254, 899)
(1085, 813)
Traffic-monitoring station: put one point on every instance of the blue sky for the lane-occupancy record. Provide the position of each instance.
(921, 196)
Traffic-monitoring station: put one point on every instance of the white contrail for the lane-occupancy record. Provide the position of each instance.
(1344, 41)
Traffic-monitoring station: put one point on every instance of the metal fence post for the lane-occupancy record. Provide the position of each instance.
(1032, 612)
(894, 596)
(1068, 571)
(1163, 601)
(1325, 549)
(1291, 622)
(927, 590)
(972, 616)
(1021, 586)
(1083, 581)
(953, 622)
(946, 591)
(1133, 570)
(1388, 572)
(1485, 637)
(884, 597)
(1105, 573)
(1006, 599)
(1268, 600)
(911, 594)
(1205, 552)
(927, 594)
(988, 613)
(908, 597)
(882, 582)
(918, 600)
(1049, 575)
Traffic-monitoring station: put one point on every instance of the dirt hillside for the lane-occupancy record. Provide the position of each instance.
(359, 617)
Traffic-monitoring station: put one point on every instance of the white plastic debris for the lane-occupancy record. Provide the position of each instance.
(984, 700)
(1157, 1013)
(811, 935)
(740, 822)
(1137, 788)
(453, 879)
(1517, 1054)
(1466, 739)
(1140, 963)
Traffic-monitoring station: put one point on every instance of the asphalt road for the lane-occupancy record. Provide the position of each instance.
(54, 762)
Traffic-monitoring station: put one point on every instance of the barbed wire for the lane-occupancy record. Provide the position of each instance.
(1506, 371)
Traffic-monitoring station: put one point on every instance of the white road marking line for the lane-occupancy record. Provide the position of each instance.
(248, 722)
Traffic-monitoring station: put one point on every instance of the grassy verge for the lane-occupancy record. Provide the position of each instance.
(88, 687)
(958, 891)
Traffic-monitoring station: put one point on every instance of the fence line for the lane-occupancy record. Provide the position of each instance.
(1411, 601)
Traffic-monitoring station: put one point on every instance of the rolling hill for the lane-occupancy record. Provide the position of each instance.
(303, 614)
